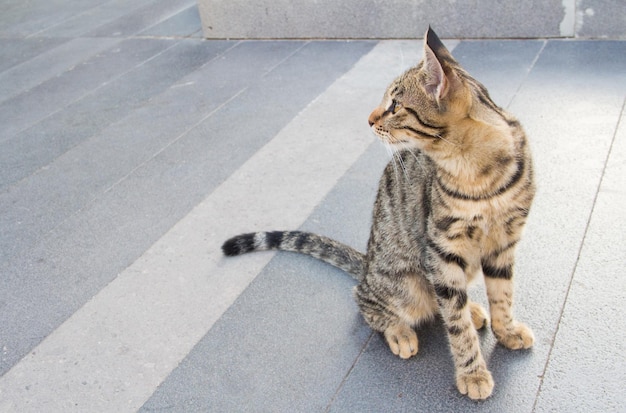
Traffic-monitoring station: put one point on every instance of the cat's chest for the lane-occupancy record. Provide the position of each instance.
(480, 225)
(493, 232)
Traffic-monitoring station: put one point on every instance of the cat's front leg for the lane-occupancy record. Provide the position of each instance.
(472, 376)
(498, 272)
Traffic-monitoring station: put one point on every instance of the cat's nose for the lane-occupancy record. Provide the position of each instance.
(373, 118)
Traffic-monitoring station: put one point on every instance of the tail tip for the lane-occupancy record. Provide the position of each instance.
(230, 248)
(238, 245)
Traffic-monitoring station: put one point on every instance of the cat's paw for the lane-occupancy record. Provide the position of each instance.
(479, 316)
(477, 385)
(515, 337)
(402, 340)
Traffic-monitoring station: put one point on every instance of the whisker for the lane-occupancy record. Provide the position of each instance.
(400, 161)
(446, 140)
(415, 157)
(392, 153)
(403, 166)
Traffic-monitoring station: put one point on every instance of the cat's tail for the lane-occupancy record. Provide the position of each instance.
(318, 246)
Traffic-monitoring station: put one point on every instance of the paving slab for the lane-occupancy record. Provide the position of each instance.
(33, 105)
(49, 138)
(22, 19)
(570, 148)
(49, 63)
(88, 20)
(501, 65)
(184, 24)
(14, 51)
(141, 18)
(586, 370)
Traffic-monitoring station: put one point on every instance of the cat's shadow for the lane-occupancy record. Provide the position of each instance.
(428, 377)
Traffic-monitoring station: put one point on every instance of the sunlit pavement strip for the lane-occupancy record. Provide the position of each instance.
(113, 353)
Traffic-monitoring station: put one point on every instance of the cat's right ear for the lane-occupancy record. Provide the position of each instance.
(440, 67)
(436, 80)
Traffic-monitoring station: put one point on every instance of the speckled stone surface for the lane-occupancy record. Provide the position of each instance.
(398, 19)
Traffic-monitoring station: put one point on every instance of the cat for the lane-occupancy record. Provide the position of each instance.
(451, 206)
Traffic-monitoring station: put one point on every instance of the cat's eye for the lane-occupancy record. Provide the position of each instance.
(393, 108)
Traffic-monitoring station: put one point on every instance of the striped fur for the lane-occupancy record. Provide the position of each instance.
(320, 247)
(455, 211)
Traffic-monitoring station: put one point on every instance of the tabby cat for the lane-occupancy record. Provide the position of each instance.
(456, 211)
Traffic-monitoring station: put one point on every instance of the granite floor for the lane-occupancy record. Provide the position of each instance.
(130, 148)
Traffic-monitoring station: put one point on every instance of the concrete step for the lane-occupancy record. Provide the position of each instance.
(410, 18)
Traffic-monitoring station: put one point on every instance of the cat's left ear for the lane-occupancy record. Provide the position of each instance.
(436, 65)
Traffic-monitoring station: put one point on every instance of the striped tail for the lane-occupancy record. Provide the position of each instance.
(320, 247)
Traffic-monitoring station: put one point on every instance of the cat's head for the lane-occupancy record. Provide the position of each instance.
(432, 105)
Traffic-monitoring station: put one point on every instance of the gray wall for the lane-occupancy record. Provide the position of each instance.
(409, 18)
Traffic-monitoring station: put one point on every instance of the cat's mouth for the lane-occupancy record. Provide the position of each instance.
(387, 137)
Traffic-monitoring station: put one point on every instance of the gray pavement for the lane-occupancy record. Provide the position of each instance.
(130, 148)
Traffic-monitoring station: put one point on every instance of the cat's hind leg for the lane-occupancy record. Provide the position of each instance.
(402, 340)
(384, 317)
(395, 307)
(480, 318)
